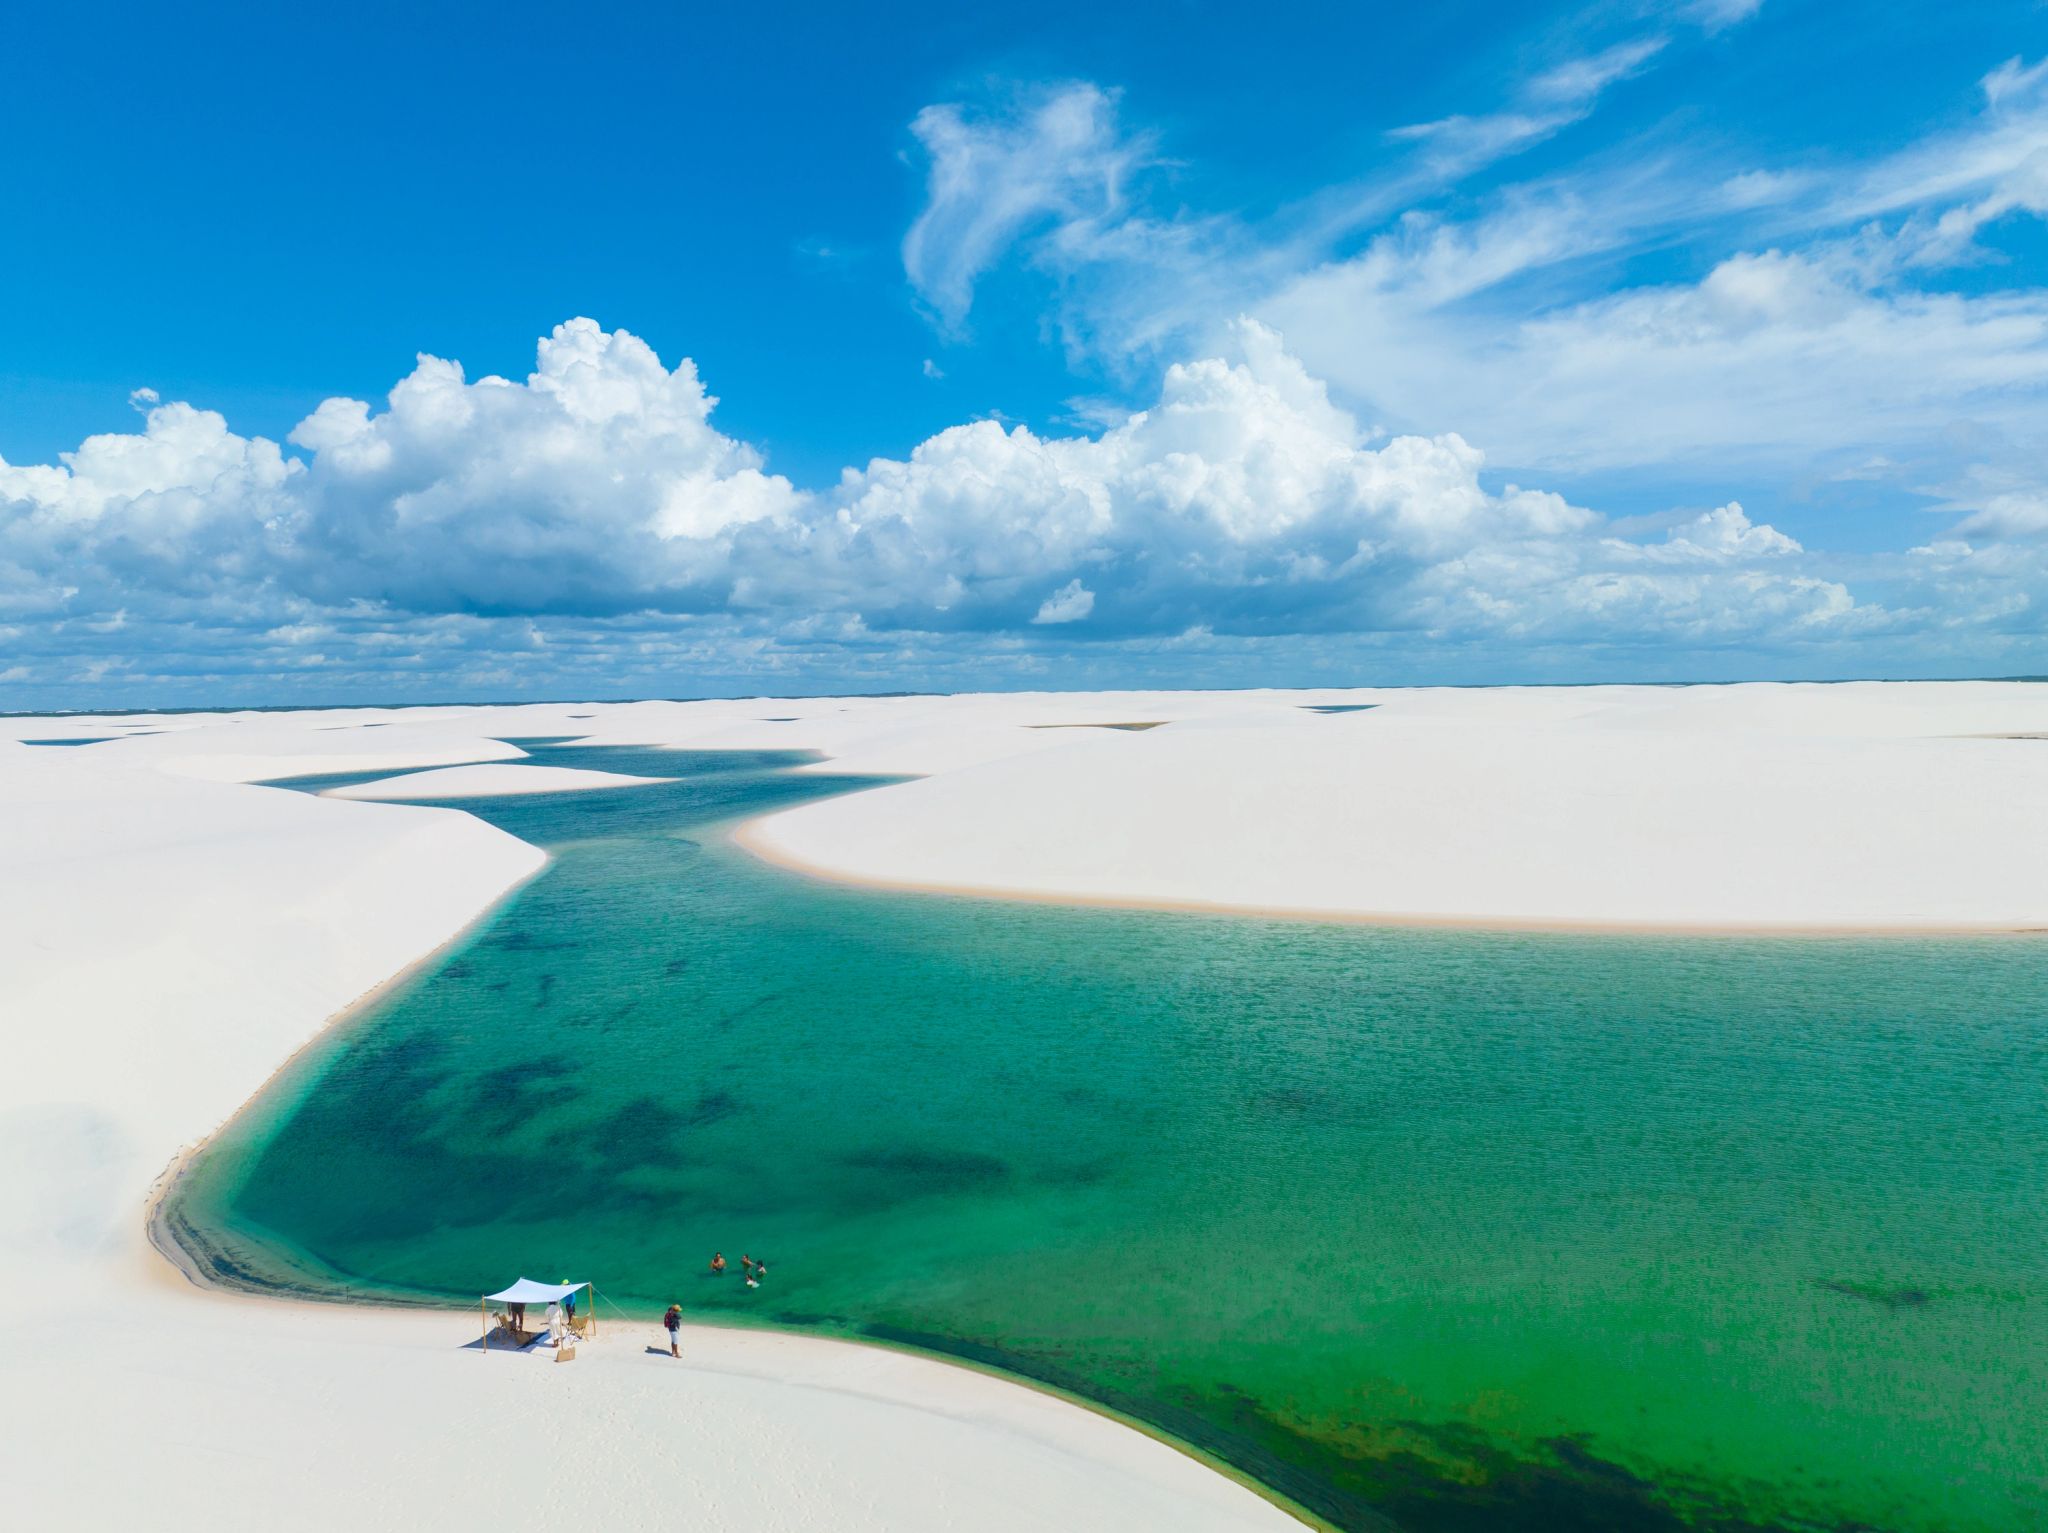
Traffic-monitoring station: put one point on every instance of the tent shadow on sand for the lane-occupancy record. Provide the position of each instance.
(500, 1342)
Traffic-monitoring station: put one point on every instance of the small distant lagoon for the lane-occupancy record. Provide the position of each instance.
(1461, 1230)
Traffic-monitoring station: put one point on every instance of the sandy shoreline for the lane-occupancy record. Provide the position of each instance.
(176, 1258)
(180, 1269)
(729, 1346)
(748, 838)
(177, 1269)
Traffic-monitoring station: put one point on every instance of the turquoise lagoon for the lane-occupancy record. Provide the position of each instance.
(1442, 1230)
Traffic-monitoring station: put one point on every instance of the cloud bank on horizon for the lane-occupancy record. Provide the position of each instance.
(1242, 505)
(1353, 438)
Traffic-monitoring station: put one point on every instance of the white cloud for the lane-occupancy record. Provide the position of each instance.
(1550, 102)
(1059, 160)
(2012, 514)
(596, 484)
(1715, 15)
(1997, 157)
(1815, 331)
(1069, 604)
(1053, 178)
(1776, 356)
(1725, 532)
(1243, 497)
(184, 467)
(1815, 352)
(2014, 80)
(595, 496)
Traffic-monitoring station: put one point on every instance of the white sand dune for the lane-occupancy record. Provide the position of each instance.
(272, 747)
(170, 935)
(488, 780)
(167, 942)
(1878, 807)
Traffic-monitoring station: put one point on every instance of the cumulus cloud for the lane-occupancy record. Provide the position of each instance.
(1722, 533)
(1243, 500)
(1069, 604)
(596, 485)
(597, 497)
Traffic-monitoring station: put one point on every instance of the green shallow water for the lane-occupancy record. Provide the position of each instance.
(1463, 1230)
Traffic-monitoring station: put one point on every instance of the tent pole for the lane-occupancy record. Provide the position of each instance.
(484, 1310)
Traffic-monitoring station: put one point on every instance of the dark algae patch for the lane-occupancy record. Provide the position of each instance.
(1436, 1478)
(1415, 1476)
(1428, 1230)
(1885, 1296)
(931, 1171)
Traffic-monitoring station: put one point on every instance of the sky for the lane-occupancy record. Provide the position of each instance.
(447, 353)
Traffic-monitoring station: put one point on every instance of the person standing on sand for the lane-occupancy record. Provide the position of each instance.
(673, 1323)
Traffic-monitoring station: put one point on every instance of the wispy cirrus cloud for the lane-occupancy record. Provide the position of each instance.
(2006, 138)
(1821, 332)
(1054, 174)
(1567, 93)
(1718, 15)
(1055, 159)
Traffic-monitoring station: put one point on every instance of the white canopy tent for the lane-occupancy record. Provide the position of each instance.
(526, 1291)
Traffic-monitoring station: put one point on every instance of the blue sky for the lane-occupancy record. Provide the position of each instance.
(1472, 342)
